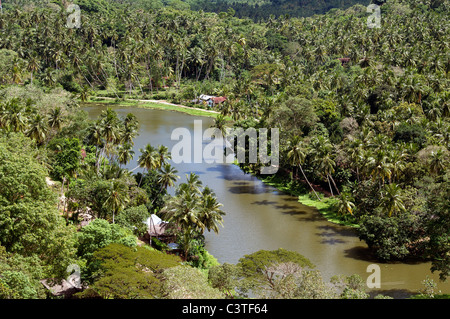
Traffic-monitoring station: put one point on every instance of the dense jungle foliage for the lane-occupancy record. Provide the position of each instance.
(363, 114)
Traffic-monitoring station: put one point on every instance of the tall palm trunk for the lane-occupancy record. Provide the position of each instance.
(334, 183)
(62, 191)
(329, 184)
(301, 169)
(140, 181)
(149, 74)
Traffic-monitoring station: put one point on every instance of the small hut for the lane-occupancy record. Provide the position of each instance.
(86, 217)
(156, 227)
(219, 99)
(64, 289)
(210, 100)
(344, 61)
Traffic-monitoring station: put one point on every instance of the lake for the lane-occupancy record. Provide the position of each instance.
(261, 217)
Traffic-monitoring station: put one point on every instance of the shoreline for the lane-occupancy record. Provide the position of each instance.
(155, 104)
(324, 207)
(280, 183)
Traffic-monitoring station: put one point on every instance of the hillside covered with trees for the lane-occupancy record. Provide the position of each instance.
(264, 9)
(363, 113)
(254, 9)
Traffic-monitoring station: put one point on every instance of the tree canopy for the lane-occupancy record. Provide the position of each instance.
(363, 115)
(30, 222)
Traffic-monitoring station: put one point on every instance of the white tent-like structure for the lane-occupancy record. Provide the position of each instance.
(156, 226)
(153, 220)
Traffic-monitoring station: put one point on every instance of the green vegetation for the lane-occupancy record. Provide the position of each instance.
(282, 274)
(193, 209)
(365, 140)
(129, 273)
(160, 106)
(326, 205)
(31, 226)
(269, 9)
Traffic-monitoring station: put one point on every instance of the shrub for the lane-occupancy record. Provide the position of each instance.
(410, 133)
(133, 218)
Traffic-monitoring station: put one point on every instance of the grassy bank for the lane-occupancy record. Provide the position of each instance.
(282, 183)
(324, 206)
(162, 105)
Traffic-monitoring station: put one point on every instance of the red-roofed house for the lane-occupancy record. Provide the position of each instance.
(219, 99)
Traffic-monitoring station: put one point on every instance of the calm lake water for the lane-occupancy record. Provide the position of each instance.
(261, 217)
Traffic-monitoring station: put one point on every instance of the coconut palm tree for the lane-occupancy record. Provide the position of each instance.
(397, 159)
(357, 156)
(85, 92)
(197, 57)
(14, 117)
(110, 126)
(125, 153)
(33, 66)
(163, 155)
(380, 166)
(117, 197)
(183, 211)
(327, 166)
(95, 137)
(344, 205)
(220, 124)
(392, 201)
(193, 210)
(210, 211)
(193, 184)
(148, 159)
(49, 77)
(321, 150)
(38, 129)
(168, 176)
(296, 155)
(55, 118)
(131, 126)
(437, 161)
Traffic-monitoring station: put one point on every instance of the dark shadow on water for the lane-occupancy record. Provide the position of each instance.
(332, 241)
(286, 206)
(361, 253)
(312, 217)
(264, 202)
(248, 190)
(406, 261)
(330, 231)
(337, 230)
(283, 209)
(294, 213)
(330, 238)
(247, 187)
(245, 183)
(230, 173)
(366, 254)
(289, 198)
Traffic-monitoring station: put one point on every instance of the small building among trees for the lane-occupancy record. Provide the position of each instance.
(64, 289)
(157, 228)
(344, 61)
(210, 100)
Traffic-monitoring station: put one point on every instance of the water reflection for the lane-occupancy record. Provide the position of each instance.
(261, 217)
